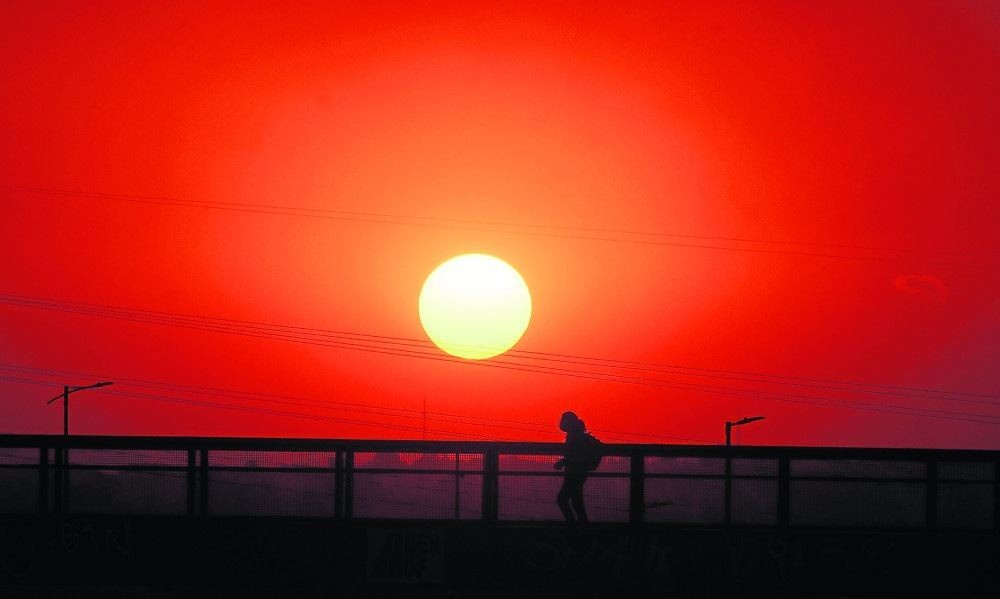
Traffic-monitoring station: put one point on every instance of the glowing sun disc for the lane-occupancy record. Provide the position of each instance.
(475, 306)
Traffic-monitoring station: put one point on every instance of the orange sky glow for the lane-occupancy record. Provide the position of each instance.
(720, 210)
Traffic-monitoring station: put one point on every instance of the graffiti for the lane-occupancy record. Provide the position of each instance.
(882, 556)
(23, 546)
(614, 555)
(791, 559)
(99, 538)
(870, 555)
(786, 555)
(659, 557)
(777, 558)
(406, 555)
(557, 553)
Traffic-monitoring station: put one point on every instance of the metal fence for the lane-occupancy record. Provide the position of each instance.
(508, 482)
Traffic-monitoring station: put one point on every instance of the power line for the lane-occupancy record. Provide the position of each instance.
(364, 408)
(591, 375)
(653, 238)
(277, 331)
(255, 410)
(441, 417)
(199, 323)
(828, 402)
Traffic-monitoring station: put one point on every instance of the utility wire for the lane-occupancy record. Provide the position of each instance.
(830, 402)
(256, 410)
(601, 376)
(450, 419)
(217, 323)
(441, 417)
(557, 231)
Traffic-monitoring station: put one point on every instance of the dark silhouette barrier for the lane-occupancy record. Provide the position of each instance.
(776, 487)
(401, 518)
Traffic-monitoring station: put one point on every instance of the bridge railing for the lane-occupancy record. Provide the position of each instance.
(505, 482)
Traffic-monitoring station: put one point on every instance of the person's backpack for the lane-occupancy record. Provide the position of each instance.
(595, 452)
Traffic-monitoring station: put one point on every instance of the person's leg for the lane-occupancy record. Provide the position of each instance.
(576, 498)
(563, 500)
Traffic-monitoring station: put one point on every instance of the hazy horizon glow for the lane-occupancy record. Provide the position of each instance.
(786, 209)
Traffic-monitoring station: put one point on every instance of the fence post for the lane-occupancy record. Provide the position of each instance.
(338, 485)
(458, 487)
(57, 498)
(930, 511)
(491, 491)
(727, 509)
(43, 480)
(203, 483)
(996, 497)
(192, 481)
(784, 497)
(637, 489)
(348, 484)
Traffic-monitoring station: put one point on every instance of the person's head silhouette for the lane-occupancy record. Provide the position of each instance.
(570, 422)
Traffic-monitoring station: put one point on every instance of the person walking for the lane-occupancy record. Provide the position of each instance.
(582, 454)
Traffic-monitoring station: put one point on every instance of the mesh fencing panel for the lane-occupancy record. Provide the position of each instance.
(754, 501)
(16, 456)
(875, 492)
(857, 493)
(421, 496)
(528, 463)
(529, 497)
(417, 485)
(529, 484)
(857, 503)
(858, 469)
(685, 465)
(109, 491)
(127, 457)
(271, 459)
(969, 471)
(685, 500)
(271, 493)
(754, 467)
(965, 506)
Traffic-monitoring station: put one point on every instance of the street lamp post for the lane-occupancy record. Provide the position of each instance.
(730, 425)
(65, 397)
(728, 505)
(62, 458)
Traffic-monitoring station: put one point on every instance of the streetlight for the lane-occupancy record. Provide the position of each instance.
(65, 397)
(62, 457)
(730, 425)
(728, 506)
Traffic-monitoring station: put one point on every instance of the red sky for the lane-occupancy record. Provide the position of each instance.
(820, 130)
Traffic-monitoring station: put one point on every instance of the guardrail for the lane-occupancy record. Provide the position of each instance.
(500, 482)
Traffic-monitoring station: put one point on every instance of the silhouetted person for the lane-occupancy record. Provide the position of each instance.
(578, 459)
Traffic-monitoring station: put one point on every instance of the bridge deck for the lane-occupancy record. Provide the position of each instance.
(514, 482)
(474, 518)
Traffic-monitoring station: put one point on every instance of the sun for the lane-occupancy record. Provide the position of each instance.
(475, 306)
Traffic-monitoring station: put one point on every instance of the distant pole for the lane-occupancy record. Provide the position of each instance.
(425, 419)
(65, 410)
(741, 422)
(64, 396)
(65, 460)
(728, 501)
(458, 485)
(62, 486)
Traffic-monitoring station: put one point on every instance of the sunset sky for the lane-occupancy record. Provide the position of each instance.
(721, 210)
